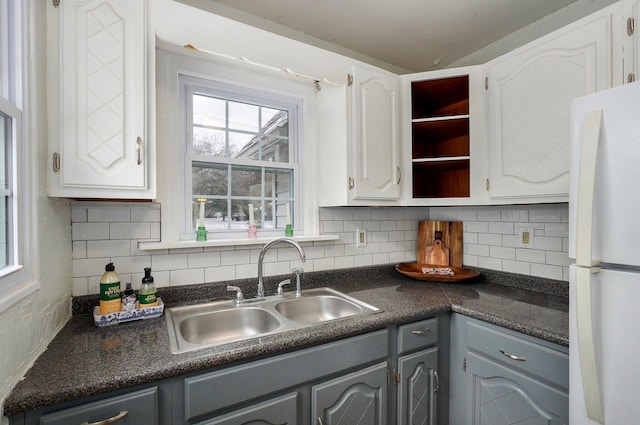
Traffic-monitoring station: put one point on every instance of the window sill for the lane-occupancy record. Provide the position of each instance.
(153, 246)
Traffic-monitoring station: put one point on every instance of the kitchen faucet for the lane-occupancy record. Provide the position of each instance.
(267, 246)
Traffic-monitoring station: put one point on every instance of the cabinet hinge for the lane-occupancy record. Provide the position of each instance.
(349, 80)
(464, 364)
(56, 3)
(351, 183)
(631, 26)
(56, 161)
(486, 83)
(631, 77)
(396, 377)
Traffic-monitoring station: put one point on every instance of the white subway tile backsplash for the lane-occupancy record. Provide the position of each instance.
(111, 231)
(89, 231)
(108, 248)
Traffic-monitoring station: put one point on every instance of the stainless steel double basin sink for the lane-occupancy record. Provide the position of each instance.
(193, 327)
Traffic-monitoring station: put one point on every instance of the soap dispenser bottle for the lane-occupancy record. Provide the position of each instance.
(147, 296)
(129, 299)
(110, 290)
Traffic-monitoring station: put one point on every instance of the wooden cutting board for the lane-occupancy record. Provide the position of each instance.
(443, 251)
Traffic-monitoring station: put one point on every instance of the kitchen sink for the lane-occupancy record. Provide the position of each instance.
(317, 309)
(198, 326)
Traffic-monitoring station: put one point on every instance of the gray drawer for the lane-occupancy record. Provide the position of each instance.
(141, 407)
(537, 359)
(418, 335)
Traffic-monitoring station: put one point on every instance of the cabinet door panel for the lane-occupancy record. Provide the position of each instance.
(376, 161)
(418, 387)
(101, 135)
(501, 396)
(357, 398)
(529, 91)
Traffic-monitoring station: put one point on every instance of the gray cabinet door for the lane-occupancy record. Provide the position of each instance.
(278, 411)
(503, 396)
(359, 398)
(418, 388)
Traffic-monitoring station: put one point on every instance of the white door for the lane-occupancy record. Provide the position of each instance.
(610, 179)
(615, 315)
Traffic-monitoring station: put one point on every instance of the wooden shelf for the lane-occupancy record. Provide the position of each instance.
(440, 138)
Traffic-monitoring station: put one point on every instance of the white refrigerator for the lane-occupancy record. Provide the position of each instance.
(604, 246)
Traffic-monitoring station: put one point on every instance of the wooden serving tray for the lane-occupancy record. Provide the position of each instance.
(414, 270)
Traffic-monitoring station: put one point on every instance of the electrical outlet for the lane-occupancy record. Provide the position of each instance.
(525, 237)
(361, 237)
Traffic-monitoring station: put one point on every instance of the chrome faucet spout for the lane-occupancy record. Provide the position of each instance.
(268, 246)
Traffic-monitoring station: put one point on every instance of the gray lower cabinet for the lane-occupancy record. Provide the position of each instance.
(416, 376)
(356, 398)
(501, 377)
(135, 408)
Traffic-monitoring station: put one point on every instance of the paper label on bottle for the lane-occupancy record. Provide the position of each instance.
(109, 291)
(147, 300)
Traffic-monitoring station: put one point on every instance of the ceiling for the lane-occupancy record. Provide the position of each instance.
(414, 35)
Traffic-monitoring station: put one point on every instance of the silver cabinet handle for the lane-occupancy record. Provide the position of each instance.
(421, 332)
(399, 175)
(437, 378)
(139, 149)
(108, 421)
(512, 357)
(320, 421)
(351, 183)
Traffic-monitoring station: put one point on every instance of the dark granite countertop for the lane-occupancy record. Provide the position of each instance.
(84, 360)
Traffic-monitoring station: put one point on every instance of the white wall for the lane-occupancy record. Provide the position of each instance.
(109, 232)
(28, 326)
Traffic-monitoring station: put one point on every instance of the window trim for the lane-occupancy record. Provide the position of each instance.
(189, 84)
(18, 281)
(172, 60)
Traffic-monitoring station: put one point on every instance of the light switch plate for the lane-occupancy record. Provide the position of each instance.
(361, 237)
(525, 237)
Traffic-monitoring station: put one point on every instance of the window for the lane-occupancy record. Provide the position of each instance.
(240, 150)
(15, 273)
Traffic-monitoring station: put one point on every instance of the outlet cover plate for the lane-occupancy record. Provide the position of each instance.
(525, 237)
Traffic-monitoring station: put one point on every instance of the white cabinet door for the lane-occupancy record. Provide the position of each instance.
(101, 140)
(358, 158)
(374, 118)
(529, 91)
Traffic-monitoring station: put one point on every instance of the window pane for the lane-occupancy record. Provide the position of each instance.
(209, 180)
(5, 199)
(243, 116)
(278, 183)
(281, 214)
(209, 142)
(268, 115)
(5, 140)
(275, 149)
(215, 214)
(242, 145)
(209, 111)
(245, 181)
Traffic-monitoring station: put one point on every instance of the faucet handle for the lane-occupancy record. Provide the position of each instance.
(282, 284)
(238, 291)
(297, 270)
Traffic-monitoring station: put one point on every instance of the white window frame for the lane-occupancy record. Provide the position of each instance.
(172, 61)
(189, 84)
(16, 279)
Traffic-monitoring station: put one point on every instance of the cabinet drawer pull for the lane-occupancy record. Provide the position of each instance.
(110, 420)
(512, 357)
(421, 332)
(437, 378)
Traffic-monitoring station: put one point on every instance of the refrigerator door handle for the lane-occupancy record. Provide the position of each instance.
(586, 187)
(586, 346)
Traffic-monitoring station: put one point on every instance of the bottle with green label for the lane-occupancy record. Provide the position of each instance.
(110, 291)
(147, 296)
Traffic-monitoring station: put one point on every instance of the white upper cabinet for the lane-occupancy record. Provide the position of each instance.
(358, 134)
(101, 83)
(443, 137)
(528, 96)
(631, 41)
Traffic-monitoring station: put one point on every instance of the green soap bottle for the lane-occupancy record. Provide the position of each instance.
(147, 295)
(110, 290)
